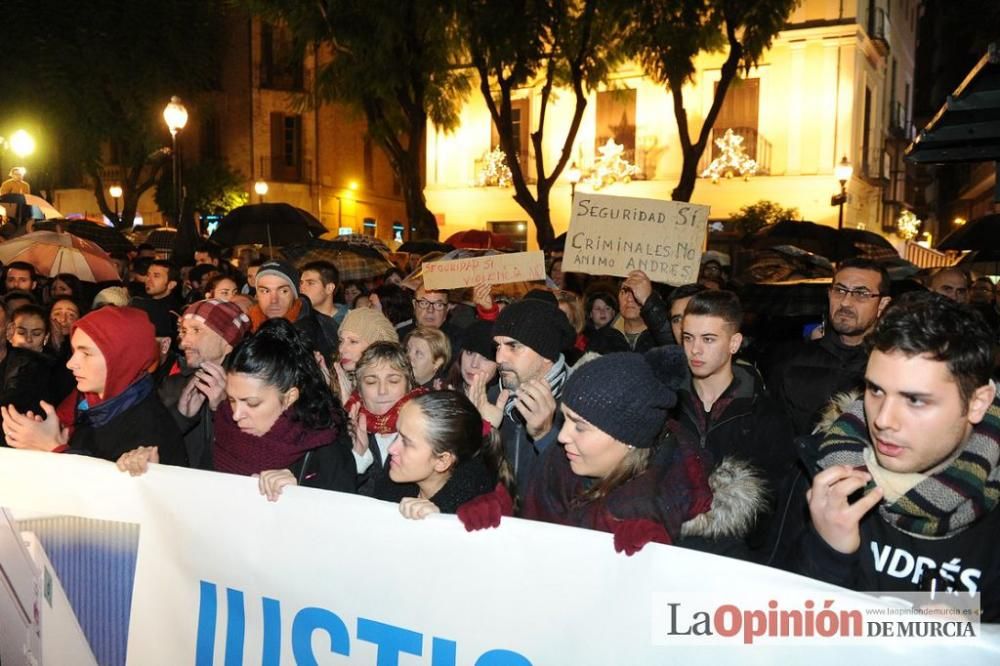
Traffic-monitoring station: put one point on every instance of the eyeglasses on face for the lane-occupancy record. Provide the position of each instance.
(861, 294)
(424, 304)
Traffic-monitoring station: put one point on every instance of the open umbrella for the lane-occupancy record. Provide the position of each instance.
(979, 234)
(360, 240)
(30, 206)
(109, 238)
(424, 246)
(269, 224)
(477, 238)
(162, 239)
(52, 253)
(353, 262)
(830, 242)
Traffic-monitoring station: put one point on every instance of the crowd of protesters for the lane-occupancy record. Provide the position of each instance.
(864, 451)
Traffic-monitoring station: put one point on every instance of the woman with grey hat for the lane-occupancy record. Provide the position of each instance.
(614, 471)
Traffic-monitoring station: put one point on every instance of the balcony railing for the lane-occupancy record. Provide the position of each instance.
(900, 126)
(754, 145)
(878, 28)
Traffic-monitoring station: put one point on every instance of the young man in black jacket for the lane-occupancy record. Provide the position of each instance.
(907, 487)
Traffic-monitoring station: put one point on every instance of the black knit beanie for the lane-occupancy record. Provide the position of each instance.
(627, 395)
(479, 338)
(537, 324)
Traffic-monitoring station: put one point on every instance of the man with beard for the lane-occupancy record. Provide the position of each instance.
(805, 379)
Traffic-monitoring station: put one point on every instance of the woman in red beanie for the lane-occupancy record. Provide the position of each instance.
(114, 407)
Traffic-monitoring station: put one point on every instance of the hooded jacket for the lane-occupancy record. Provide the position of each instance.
(128, 414)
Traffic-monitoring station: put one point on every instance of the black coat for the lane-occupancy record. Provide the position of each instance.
(810, 373)
(198, 431)
(469, 480)
(328, 467)
(374, 476)
(25, 380)
(147, 423)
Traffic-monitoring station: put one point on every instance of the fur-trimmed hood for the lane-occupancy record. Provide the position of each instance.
(837, 405)
(738, 496)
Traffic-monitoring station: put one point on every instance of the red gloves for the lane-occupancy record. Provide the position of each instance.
(632, 535)
(486, 510)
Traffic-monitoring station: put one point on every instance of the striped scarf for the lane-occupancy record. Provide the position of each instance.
(556, 376)
(942, 504)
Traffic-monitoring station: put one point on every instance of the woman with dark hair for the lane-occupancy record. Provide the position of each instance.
(65, 285)
(601, 336)
(280, 421)
(395, 303)
(613, 472)
(443, 456)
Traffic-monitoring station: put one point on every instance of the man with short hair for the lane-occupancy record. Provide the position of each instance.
(20, 275)
(161, 280)
(725, 408)
(278, 296)
(952, 283)
(431, 309)
(804, 378)
(922, 450)
(677, 303)
(318, 283)
(643, 320)
(524, 406)
(208, 332)
(16, 184)
(207, 254)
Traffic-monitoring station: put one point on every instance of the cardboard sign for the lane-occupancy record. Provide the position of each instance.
(494, 269)
(616, 235)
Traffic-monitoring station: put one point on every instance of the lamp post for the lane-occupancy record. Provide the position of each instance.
(843, 172)
(176, 116)
(260, 187)
(116, 193)
(573, 175)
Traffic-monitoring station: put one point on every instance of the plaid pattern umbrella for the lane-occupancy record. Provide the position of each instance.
(163, 239)
(353, 262)
(52, 253)
(362, 240)
(109, 238)
(830, 242)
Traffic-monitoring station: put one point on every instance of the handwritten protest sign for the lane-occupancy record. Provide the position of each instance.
(611, 235)
(494, 269)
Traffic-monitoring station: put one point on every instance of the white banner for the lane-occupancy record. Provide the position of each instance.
(225, 577)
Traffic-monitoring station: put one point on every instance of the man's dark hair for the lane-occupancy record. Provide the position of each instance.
(922, 323)
(21, 266)
(717, 303)
(684, 291)
(865, 264)
(173, 274)
(17, 294)
(328, 273)
(145, 246)
(258, 262)
(197, 274)
(397, 303)
(30, 309)
(211, 249)
(140, 265)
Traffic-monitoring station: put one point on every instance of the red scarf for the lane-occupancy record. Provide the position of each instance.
(382, 424)
(238, 452)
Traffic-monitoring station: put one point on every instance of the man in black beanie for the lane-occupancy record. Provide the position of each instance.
(530, 336)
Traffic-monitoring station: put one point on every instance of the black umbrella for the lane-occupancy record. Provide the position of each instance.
(424, 246)
(830, 242)
(980, 234)
(271, 224)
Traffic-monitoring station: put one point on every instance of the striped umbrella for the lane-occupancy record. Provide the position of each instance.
(109, 238)
(52, 253)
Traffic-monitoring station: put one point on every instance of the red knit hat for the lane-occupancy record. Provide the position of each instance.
(126, 338)
(226, 319)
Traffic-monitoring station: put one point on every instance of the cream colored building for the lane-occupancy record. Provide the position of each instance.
(837, 82)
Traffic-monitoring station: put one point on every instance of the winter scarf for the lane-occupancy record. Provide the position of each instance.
(100, 415)
(257, 316)
(556, 377)
(939, 505)
(381, 424)
(238, 452)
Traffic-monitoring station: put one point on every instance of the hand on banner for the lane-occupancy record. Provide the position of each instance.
(271, 482)
(415, 508)
(136, 462)
(837, 521)
(359, 430)
(486, 510)
(640, 285)
(631, 535)
(492, 412)
(538, 407)
(33, 431)
(482, 296)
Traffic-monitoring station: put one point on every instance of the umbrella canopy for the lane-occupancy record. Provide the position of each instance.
(830, 242)
(362, 240)
(33, 207)
(477, 238)
(268, 224)
(109, 238)
(424, 246)
(353, 262)
(162, 239)
(52, 253)
(979, 234)
(784, 263)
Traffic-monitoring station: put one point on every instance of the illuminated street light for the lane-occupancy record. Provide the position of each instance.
(260, 187)
(116, 193)
(843, 172)
(21, 143)
(176, 116)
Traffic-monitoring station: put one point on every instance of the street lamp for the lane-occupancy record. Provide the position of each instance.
(260, 187)
(21, 143)
(176, 116)
(843, 172)
(116, 193)
(573, 175)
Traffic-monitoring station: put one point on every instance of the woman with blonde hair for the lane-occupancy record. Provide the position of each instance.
(429, 352)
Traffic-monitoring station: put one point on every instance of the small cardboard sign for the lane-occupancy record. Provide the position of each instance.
(611, 235)
(493, 269)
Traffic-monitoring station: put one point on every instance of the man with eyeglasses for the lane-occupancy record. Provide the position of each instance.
(430, 310)
(814, 371)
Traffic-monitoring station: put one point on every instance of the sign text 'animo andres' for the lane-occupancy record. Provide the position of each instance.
(493, 269)
(611, 235)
